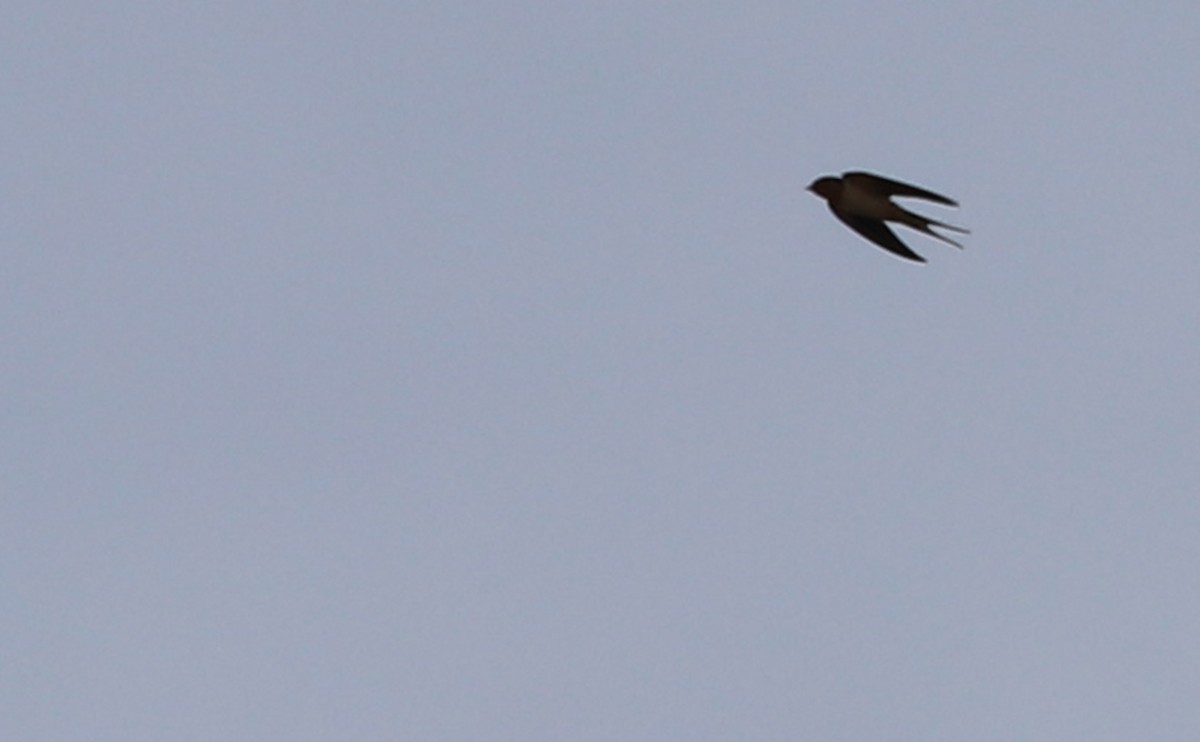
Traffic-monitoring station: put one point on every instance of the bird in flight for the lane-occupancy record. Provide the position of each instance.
(862, 202)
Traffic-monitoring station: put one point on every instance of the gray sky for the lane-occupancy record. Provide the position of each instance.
(482, 371)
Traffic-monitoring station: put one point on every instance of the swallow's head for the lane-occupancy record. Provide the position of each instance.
(827, 187)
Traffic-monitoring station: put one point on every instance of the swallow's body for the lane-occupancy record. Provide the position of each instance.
(862, 201)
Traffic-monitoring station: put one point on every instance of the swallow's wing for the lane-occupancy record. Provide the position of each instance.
(887, 187)
(879, 233)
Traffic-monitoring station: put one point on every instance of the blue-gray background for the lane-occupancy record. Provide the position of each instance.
(482, 371)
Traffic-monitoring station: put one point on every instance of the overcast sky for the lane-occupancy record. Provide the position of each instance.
(483, 371)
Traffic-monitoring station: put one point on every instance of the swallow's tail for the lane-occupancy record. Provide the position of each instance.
(950, 227)
(922, 224)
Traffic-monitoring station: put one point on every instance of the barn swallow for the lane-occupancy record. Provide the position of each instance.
(862, 202)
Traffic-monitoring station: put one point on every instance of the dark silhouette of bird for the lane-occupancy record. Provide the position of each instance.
(862, 201)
